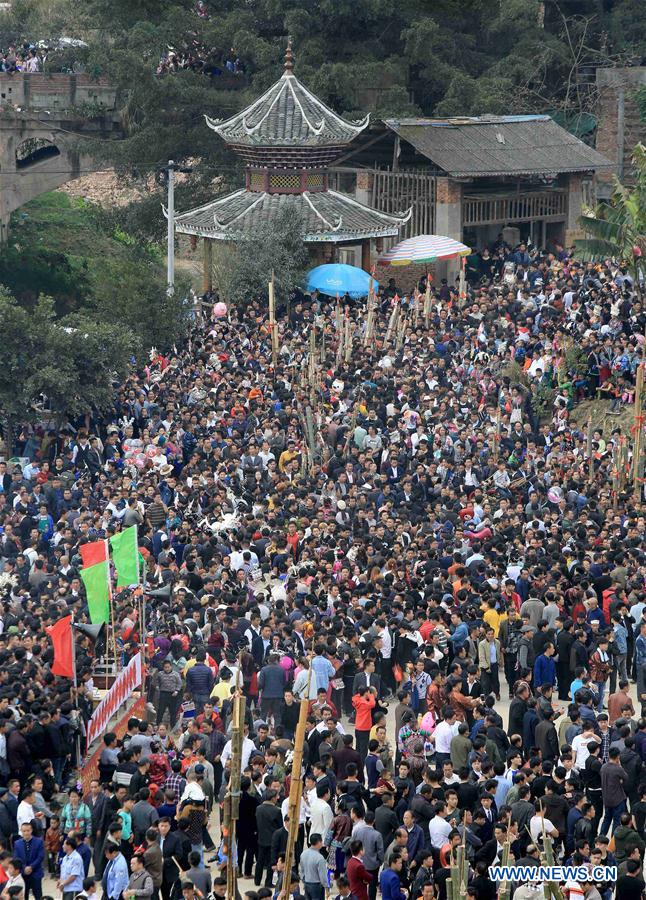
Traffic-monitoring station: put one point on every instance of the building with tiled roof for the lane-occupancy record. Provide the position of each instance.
(288, 138)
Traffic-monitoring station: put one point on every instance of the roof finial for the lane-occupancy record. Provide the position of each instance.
(289, 56)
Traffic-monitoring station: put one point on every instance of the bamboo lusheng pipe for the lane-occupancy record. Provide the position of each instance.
(232, 798)
(392, 323)
(427, 301)
(296, 783)
(273, 327)
(370, 321)
(348, 337)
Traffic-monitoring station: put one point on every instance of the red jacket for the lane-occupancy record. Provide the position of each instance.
(359, 878)
(363, 706)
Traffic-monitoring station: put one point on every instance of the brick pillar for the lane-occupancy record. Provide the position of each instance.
(363, 190)
(448, 222)
(366, 257)
(207, 265)
(574, 208)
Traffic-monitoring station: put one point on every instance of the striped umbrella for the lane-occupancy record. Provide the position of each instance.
(425, 248)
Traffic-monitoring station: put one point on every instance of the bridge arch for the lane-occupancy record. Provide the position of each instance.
(35, 150)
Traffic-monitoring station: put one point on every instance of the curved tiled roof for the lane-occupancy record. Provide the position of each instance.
(326, 216)
(287, 115)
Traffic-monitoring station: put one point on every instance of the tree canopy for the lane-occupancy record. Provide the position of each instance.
(64, 366)
(452, 57)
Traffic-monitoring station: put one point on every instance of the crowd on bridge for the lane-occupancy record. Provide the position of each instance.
(438, 540)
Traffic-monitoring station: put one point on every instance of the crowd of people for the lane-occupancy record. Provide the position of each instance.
(201, 59)
(22, 58)
(64, 55)
(432, 544)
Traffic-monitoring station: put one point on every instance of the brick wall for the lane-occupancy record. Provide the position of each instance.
(613, 84)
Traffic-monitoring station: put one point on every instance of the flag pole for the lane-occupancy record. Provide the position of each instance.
(77, 740)
(112, 623)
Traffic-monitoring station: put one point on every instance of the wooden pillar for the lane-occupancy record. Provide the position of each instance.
(207, 263)
(365, 255)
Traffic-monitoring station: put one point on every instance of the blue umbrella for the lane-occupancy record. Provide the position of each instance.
(340, 279)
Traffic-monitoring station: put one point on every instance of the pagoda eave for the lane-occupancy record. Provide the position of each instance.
(326, 216)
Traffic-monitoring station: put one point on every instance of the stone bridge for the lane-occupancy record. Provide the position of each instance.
(44, 120)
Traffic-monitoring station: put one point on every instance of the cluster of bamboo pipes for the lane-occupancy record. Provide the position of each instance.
(456, 885)
(372, 315)
(231, 806)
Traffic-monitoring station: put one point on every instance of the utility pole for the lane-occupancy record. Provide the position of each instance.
(169, 175)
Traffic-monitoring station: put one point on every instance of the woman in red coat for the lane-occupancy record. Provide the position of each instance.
(364, 702)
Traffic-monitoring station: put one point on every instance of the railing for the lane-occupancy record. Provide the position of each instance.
(395, 192)
(494, 209)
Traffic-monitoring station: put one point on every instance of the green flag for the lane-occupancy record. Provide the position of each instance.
(95, 579)
(125, 555)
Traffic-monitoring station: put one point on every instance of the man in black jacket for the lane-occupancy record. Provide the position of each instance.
(268, 819)
(386, 821)
(517, 709)
(547, 738)
(171, 848)
(279, 841)
(247, 827)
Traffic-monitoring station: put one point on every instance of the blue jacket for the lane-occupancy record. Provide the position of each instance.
(199, 680)
(33, 856)
(115, 878)
(415, 841)
(544, 671)
(391, 886)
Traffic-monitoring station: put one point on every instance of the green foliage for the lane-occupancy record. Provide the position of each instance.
(245, 271)
(64, 366)
(74, 253)
(618, 231)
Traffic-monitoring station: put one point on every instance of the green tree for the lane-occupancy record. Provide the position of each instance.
(618, 230)
(245, 271)
(65, 367)
(133, 292)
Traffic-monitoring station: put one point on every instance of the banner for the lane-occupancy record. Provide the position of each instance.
(90, 769)
(126, 682)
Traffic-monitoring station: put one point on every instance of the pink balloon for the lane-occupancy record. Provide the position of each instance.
(220, 309)
(140, 461)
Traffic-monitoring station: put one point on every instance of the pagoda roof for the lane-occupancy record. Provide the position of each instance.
(287, 115)
(327, 216)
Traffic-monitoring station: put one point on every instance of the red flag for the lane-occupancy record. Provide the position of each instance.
(93, 553)
(61, 635)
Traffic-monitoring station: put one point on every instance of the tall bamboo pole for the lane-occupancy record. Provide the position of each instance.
(427, 301)
(590, 451)
(272, 323)
(232, 797)
(296, 785)
(639, 434)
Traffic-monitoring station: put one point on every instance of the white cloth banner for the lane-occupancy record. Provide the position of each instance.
(126, 682)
